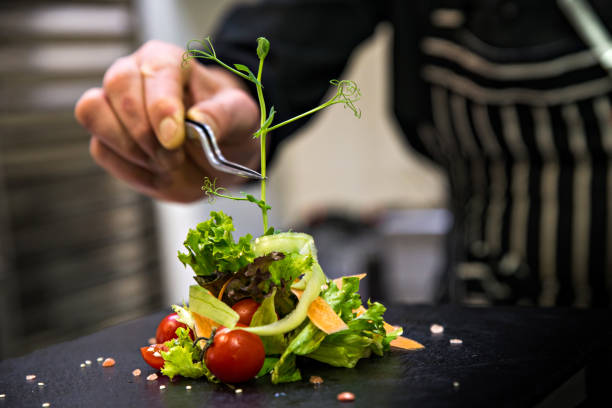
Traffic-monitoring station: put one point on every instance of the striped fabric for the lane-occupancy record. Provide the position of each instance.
(528, 146)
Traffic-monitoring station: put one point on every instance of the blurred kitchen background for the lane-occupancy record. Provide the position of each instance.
(80, 251)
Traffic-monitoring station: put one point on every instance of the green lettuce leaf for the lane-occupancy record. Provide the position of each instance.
(289, 268)
(266, 314)
(308, 337)
(211, 249)
(285, 370)
(366, 335)
(184, 316)
(183, 358)
(267, 366)
(343, 351)
(283, 273)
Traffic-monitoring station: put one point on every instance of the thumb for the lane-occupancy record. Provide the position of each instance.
(233, 116)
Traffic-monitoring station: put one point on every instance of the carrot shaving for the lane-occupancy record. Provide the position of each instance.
(224, 287)
(338, 281)
(203, 326)
(399, 342)
(406, 344)
(322, 315)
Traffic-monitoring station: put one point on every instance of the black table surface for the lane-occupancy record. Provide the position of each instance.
(509, 357)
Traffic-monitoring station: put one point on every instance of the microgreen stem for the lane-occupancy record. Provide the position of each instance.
(262, 144)
(227, 196)
(310, 112)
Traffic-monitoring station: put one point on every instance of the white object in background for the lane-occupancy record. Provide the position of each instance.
(413, 253)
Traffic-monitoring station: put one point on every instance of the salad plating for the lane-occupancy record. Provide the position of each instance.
(261, 302)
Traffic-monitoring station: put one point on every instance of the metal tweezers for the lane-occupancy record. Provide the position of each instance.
(203, 133)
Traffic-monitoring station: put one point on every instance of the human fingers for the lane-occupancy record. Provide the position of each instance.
(164, 77)
(137, 177)
(94, 113)
(124, 89)
(179, 185)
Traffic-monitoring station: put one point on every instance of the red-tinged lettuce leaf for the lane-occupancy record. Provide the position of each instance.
(252, 281)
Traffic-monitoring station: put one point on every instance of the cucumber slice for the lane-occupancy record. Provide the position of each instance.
(286, 242)
(205, 304)
(314, 279)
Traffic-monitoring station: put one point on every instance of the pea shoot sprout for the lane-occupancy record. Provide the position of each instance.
(347, 93)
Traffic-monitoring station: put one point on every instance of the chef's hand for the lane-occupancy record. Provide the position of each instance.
(137, 122)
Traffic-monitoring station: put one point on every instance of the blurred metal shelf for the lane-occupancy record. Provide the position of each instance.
(78, 249)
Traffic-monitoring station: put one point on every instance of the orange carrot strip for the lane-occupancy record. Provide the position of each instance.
(322, 315)
(399, 342)
(224, 287)
(338, 281)
(406, 343)
(203, 326)
(402, 342)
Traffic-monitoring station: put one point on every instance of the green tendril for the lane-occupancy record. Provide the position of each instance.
(347, 93)
(211, 190)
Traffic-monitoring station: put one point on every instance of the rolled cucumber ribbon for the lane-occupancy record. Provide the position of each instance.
(313, 279)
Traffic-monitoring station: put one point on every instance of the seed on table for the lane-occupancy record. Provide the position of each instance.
(2, 395)
(109, 362)
(162, 387)
(456, 341)
(152, 377)
(436, 328)
(188, 387)
(82, 365)
(455, 384)
(88, 362)
(136, 372)
(100, 359)
(315, 379)
(41, 384)
(46, 404)
(238, 391)
(30, 377)
(346, 397)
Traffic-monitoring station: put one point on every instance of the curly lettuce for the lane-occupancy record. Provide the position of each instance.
(211, 249)
(184, 358)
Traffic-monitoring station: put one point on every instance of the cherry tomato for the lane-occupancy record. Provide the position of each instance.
(245, 309)
(148, 353)
(167, 328)
(235, 355)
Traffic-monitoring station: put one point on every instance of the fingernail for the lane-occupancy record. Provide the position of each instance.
(196, 115)
(169, 160)
(168, 132)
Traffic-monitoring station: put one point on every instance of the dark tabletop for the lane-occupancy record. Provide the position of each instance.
(509, 357)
